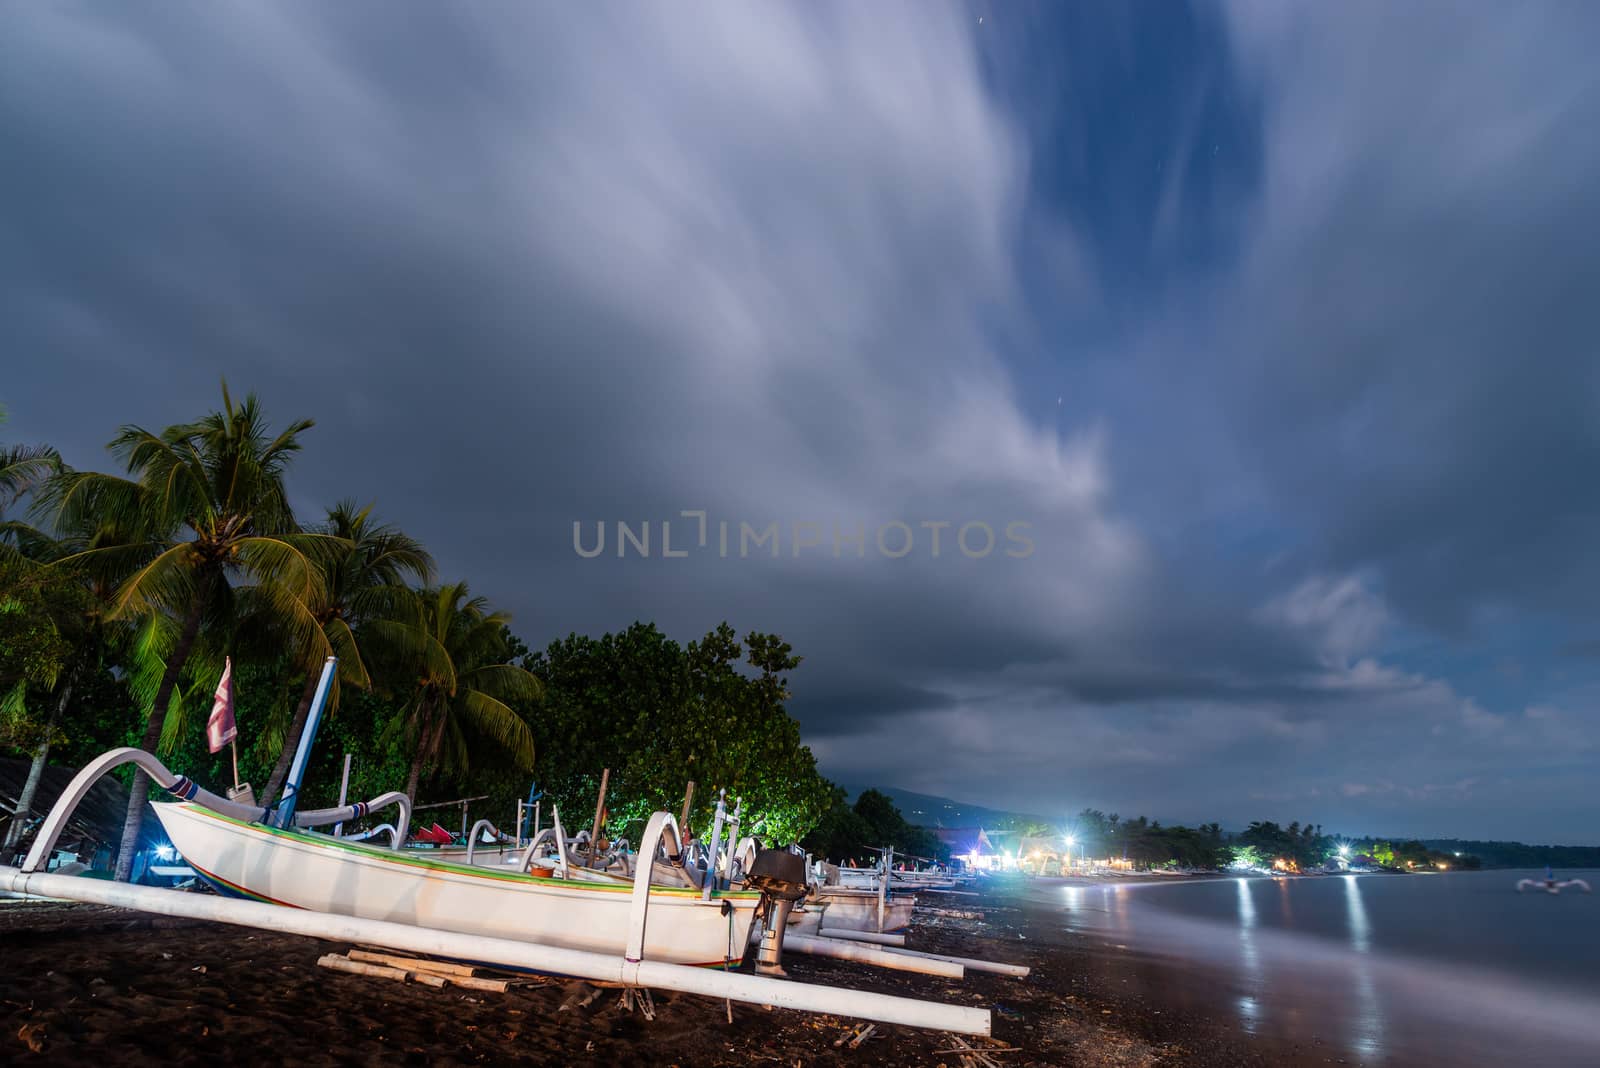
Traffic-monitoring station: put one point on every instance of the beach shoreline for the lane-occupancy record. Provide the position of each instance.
(121, 987)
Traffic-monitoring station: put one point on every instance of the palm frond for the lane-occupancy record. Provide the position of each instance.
(505, 681)
(416, 647)
(498, 723)
(165, 585)
(342, 642)
(278, 563)
(24, 468)
(78, 501)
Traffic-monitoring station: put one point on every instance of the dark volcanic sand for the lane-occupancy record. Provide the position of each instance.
(89, 984)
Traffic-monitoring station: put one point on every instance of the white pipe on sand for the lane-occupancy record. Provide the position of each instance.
(970, 963)
(861, 936)
(753, 989)
(877, 956)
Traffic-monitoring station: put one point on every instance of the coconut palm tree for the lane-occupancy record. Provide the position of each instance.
(364, 577)
(455, 649)
(23, 470)
(204, 507)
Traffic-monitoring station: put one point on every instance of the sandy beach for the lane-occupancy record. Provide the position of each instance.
(86, 983)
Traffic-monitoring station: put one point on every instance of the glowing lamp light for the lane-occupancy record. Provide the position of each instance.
(166, 852)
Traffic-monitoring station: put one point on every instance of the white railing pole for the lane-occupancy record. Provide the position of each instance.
(344, 793)
(716, 838)
(878, 956)
(883, 883)
(660, 825)
(561, 842)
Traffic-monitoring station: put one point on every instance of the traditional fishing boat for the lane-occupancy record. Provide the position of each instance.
(327, 874)
(592, 924)
(274, 854)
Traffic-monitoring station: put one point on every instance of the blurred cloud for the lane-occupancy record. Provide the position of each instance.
(1310, 286)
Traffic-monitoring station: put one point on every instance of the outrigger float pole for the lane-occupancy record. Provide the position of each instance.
(506, 953)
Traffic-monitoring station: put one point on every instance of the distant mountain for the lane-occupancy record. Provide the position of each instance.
(1519, 854)
(930, 810)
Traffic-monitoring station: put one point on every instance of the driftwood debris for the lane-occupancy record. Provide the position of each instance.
(972, 1056)
(856, 1037)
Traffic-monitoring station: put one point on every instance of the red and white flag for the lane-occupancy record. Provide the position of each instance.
(220, 728)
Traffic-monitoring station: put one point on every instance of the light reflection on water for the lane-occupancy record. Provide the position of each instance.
(1380, 969)
(1368, 1022)
(1249, 957)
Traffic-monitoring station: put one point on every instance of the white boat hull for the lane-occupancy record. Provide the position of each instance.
(326, 874)
(867, 878)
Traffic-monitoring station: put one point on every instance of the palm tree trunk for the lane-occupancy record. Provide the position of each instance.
(424, 730)
(291, 740)
(415, 777)
(35, 773)
(140, 790)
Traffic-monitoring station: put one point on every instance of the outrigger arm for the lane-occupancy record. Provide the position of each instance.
(188, 790)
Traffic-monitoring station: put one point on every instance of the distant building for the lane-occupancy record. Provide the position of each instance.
(972, 846)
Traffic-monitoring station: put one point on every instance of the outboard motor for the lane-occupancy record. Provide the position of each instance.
(780, 875)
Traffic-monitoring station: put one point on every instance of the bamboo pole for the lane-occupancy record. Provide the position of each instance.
(354, 967)
(688, 801)
(467, 982)
(462, 975)
(443, 967)
(437, 980)
(599, 810)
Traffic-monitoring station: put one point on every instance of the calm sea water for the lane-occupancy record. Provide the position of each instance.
(1454, 968)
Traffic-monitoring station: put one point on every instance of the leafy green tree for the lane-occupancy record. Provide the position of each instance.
(50, 628)
(886, 826)
(205, 508)
(35, 658)
(364, 572)
(841, 834)
(1248, 856)
(659, 715)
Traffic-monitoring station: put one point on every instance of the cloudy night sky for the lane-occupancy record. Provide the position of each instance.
(1276, 325)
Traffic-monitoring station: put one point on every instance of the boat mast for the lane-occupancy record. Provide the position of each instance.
(302, 755)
